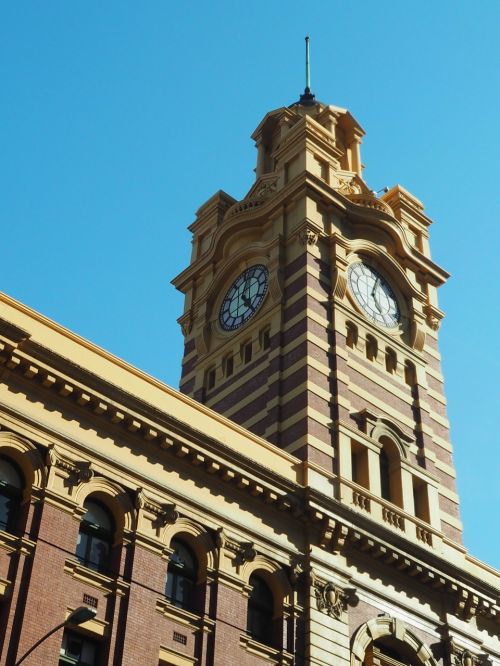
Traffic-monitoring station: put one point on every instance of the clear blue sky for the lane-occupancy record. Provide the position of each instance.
(119, 118)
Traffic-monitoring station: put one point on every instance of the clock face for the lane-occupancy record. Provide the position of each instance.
(374, 295)
(243, 297)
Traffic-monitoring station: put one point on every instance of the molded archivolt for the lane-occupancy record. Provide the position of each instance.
(389, 225)
(273, 574)
(363, 248)
(196, 538)
(385, 429)
(27, 456)
(388, 626)
(222, 238)
(114, 497)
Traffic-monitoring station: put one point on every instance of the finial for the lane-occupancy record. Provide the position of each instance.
(307, 99)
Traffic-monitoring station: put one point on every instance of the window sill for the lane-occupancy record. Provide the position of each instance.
(96, 579)
(4, 587)
(180, 615)
(16, 544)
(169, 657)
(269, 654)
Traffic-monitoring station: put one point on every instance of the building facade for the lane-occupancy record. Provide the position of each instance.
(295, 503)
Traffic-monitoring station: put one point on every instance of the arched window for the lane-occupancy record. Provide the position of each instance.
(385, 479)
(391, 360)
(410, 374)
(390, 472)
(96, 536)
(371, 348)
(351, 335)
(388, 651)
(11, 486)
(260, 611)
(182, 575)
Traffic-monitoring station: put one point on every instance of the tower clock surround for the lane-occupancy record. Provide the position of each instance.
(244, 297)
(374, 294)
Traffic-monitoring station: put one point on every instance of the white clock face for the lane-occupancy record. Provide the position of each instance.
(374, 295)
(243, 297)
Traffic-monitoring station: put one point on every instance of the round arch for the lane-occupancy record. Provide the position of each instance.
(362, 249)
(380, 627)
(197, 538)
(114, 498)
(275, 577)
(28, 458)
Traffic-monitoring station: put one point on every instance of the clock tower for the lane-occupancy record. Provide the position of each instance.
(311, 319)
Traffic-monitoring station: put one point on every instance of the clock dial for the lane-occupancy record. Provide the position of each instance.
(374, 295)
(244, 297)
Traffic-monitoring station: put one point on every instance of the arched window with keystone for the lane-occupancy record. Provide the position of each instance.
(182, 576)
(96, 536)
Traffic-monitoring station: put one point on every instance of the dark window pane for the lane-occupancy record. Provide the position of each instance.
(11, 485)
(95, 538)
(260, 611)
(385, 481)
(181, 576)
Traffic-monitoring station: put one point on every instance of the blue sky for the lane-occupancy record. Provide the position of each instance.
(118, 119)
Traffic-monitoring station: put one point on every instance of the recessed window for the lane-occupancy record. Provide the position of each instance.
(391, 360)
(265, 338)
(390, 472)
(385, 479)
(76, 649)
(421, 499)
(324, 169)
(229, 365)
(371, 348)
(410, 374)
(11, 486)
(351, 335)
(210, 378)
(359, 464)
(246, 352)
(95, 538)
(182, 575)
(260, 611)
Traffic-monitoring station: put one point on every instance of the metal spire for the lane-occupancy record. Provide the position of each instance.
(308, 68)
(307, 99)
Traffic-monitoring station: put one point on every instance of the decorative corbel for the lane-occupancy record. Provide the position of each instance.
(202, 340)
(246, 553)
(433, 316)
(417, 333)
(460, 656)
(339, 282)
(163, 514)
(327, 532)
(308, 237)
(78, 471)
(308, 233)
(297, 569)
(186, 322)
(467, 605)
(276, 285)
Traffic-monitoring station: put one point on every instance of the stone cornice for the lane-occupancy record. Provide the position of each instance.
(166, 432)
(347, 530)
(307, 184)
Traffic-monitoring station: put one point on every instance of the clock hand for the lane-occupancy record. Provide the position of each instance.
(374, 295)
(247, 302)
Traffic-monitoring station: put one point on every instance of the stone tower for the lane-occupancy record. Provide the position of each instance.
(311, 319)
